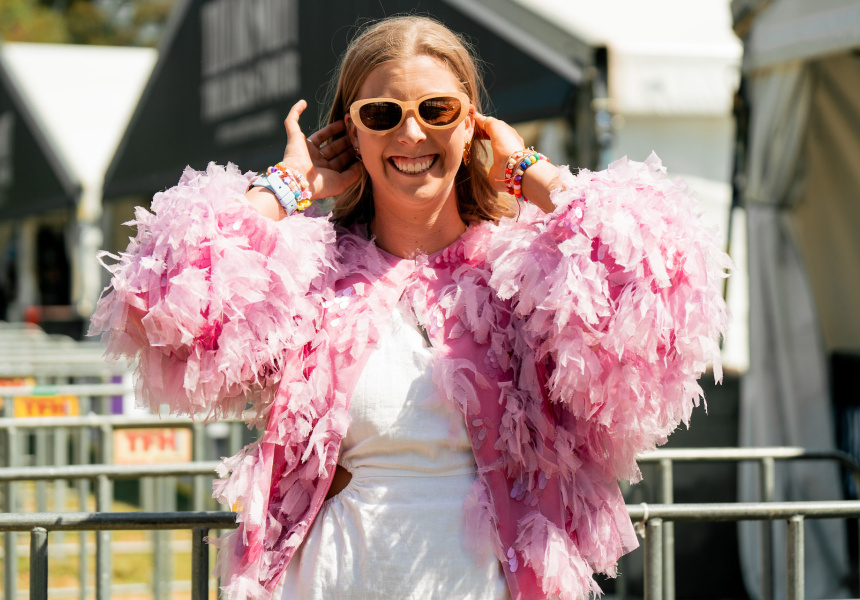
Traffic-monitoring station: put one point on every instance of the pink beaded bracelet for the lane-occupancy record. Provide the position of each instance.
(516, 166)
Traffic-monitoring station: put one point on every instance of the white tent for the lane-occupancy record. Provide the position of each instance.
(802, 196)
(82, 98)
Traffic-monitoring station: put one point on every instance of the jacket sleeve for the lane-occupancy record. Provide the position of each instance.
(210, 297)
(618, 292)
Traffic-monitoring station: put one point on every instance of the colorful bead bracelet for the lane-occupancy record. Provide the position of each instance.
(516, 166)
(288, 185)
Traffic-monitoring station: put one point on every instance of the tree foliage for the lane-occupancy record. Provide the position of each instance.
(103, 22)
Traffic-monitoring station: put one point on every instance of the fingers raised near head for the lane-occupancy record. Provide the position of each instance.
(296, 153)
(291, 123)
(329, 131)
(341, 159)
(483, 122)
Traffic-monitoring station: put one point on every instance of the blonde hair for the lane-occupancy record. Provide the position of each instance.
(399, 38)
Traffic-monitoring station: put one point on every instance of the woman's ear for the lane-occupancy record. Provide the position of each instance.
(470, 123)
(351, 130)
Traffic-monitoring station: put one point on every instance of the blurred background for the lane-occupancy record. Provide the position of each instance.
(754, 103)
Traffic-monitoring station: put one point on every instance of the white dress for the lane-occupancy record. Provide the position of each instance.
(396, 530)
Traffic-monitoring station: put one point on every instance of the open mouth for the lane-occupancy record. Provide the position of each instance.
(413, 166)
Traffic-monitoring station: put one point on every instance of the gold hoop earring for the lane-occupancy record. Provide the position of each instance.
(358, 153)
(467, 152)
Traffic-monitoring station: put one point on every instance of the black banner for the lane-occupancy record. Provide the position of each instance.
(230, 70)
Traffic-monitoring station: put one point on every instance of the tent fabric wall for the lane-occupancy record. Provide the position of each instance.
(784, 396)
(828, 214)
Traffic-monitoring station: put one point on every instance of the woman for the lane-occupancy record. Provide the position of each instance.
(472, 385)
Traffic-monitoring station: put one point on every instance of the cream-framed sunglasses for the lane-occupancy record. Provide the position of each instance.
(436, 111)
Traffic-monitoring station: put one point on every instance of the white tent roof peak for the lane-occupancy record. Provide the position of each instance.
(83, 97)
(788, 30)
(612, 22)
(666, 57)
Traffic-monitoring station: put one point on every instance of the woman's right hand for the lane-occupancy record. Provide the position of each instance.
(327, 162)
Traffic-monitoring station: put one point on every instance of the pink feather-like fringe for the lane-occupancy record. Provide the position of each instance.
(620, 289)
(587, 331)
(209, 295)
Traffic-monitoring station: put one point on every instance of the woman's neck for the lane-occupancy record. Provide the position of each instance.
(407, 234)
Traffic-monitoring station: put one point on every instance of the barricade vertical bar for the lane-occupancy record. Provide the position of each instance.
(41, 436)
(667, 496)
(103, 538)
(199, 564)
(82, 458)
(766, 475)
(161, 543)
(39, 564)
(61, 459)
(654, 559)
(794, 558)
(10, 556)
(199, 482)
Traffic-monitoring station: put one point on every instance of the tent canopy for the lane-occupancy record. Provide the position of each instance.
(800, 180)
(70, 121)
(228, 73)
(86, 103)
(674, 57)
(798, 30)
(25, 151)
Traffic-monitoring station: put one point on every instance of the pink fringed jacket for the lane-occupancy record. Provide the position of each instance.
(568, 342)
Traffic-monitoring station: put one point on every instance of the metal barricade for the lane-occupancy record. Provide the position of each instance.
(102, 475)
(653, 517)
(765, 456)
(105, 425)
(39, 525)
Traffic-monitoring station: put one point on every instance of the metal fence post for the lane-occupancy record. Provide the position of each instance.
(199, 564)
(104, 564)
(38, 564)
(667, 496)
(61, 458)
(41, 438)
(10, 550)
(82, 455)
(794, 558)
(654, 559)
(766, 480)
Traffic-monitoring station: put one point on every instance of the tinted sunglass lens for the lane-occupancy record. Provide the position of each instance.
(440, 111)
(380, 116)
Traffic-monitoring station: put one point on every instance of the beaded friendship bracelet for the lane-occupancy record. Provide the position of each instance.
(288, 185)
(516, 166)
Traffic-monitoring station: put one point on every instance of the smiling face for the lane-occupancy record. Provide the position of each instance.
(412, 167)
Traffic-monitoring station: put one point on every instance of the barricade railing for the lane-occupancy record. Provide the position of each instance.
(102, 475)
(61, 370)
(104, 425)
(652, 516)
(40, 524)
(766, 457)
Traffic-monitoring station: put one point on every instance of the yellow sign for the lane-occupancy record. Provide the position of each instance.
(43, 403)
(146, 446)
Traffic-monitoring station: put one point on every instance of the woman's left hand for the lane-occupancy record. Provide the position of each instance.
(504, 141)
(539, 180)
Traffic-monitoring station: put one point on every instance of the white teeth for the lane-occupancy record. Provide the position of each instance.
(413, 167)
